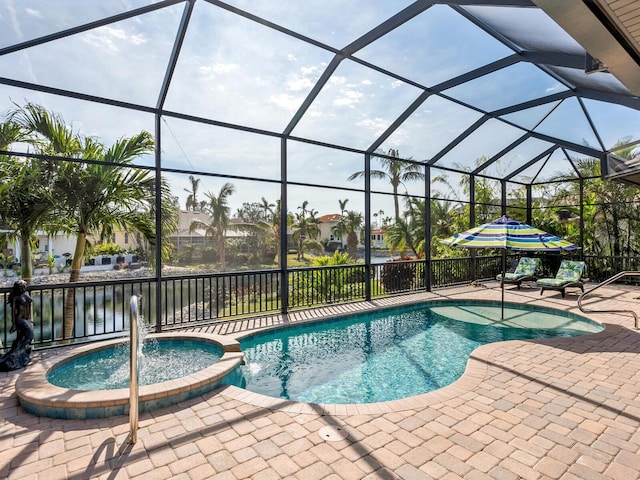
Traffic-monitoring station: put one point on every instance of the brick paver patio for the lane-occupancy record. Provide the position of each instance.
(546, 409)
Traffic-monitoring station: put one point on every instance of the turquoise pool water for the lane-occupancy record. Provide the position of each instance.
(390, 354)
(161, 361)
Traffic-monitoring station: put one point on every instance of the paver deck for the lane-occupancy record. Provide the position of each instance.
(546, 409)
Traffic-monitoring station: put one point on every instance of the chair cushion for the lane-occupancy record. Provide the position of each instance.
(526, 267)
(511, 276)
(570, 271)
(552, 282)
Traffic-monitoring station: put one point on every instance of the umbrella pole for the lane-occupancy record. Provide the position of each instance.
(504, 268)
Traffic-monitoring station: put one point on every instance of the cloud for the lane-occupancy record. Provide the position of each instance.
(113, 39)
(554, 88)
(312, 70)
(34, 13)
(304, 80)
(350, 98)
(285, 101)
(14, 20)
(337, 80)
(299, 84)
(218, 69)
(376, 125)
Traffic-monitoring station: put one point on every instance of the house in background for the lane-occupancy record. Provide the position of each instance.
(62, 246)
(377, 238)
(184, 237)
(129, 240)
(326, 236)
(58, 245)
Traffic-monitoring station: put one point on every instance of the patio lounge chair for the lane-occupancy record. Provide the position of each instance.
(526, 270)
(569, 275)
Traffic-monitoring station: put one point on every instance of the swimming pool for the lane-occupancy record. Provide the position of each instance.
(391, 354)
(88, 397)
(161, 360)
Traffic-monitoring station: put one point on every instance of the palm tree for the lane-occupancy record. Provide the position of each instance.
(267, 208)
(343, 205)
(217, 208)
(379, 215)
(338, 232)
(192, 199)
(306, 227)
(354, 222)
(610, 213)
(442, 221)
(99, 195)
(397, 172)
(10, 132)
(486, 194)
(268, 228)
(26, 202)
(408, 232)
(169, 219)
(349, 224)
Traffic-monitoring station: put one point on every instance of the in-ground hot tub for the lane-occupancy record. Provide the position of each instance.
(39, 396)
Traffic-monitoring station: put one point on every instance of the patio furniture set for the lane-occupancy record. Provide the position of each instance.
(570, 274)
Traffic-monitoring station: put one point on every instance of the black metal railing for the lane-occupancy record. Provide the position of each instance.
(208, 297)
(600, 268)
(398, 276)
(101, 308)
(326, 285)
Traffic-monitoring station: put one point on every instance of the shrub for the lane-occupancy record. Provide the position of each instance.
(106, 249)
(397, 275)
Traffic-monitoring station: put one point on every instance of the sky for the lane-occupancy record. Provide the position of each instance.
(238, 71)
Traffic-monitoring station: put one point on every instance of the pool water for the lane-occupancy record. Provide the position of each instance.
(161, 361)
(391, 354)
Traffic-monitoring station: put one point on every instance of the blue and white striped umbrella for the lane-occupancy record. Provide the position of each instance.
(509, 234)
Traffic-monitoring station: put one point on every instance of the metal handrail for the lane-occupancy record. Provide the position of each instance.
(133, 371)
(602, 284)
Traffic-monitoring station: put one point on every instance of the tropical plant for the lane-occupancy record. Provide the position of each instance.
(192, 199)
(486, 195)
(610, 209)
(96, 191)
(267, 208)
(397, 275)
(265, 225)
(397, 171)
(253, 212)
(338, 258)
(349, 224)
(306, 229)
(327, 285)
(169, 221)
(217, 208)
(26, 199)
(51, 263)
(409, 231)
(343, 205)
(5, 260)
